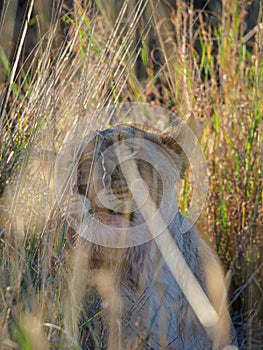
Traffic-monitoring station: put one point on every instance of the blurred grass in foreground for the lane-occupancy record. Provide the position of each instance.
(94, 66)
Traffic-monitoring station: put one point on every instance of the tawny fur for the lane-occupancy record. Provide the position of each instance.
(142, 306)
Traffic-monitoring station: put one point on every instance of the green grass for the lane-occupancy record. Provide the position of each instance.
(223, 89)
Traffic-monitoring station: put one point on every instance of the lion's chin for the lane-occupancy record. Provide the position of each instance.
(117, 220)
(114, 220)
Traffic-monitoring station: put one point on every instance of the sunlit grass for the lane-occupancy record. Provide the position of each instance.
(222, 86)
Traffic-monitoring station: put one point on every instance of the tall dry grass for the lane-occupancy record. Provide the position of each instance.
(95, 66)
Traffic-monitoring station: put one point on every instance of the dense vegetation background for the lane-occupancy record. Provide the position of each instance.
(59, 58)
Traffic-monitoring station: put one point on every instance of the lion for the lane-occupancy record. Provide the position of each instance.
(138, 291)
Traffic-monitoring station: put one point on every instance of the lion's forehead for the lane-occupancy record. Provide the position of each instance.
(103, 144)
(109, 137)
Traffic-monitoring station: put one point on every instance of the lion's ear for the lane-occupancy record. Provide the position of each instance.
(180, 138)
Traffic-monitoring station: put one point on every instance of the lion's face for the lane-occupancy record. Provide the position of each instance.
(101, 208)
(102, 181)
